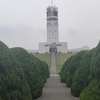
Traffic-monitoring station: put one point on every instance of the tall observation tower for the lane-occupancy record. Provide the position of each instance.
(52, 32)
(52, 24)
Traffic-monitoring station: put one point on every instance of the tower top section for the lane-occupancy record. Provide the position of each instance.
(52, 11)
(51, 2)
(52, 7)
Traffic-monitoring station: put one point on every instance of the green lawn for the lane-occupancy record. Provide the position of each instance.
(61, 57)
(44, 57)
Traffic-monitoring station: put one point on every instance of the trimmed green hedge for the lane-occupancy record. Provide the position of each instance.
(81, 76)
(92, 91)
(22, 75)
(82, 73)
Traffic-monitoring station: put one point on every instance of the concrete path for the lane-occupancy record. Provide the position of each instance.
(55, 90)
(53, 63)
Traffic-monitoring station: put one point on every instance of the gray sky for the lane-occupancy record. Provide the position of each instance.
(23, 22)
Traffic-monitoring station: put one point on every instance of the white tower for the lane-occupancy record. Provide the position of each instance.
(52, 24)
(52, 33)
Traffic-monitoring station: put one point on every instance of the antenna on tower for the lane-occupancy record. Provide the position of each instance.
(51, 2)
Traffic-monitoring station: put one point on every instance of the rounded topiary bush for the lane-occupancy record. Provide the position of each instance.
(35, 70)
(92, 91)
(13, 85)
(81, 77)
(65, 69)
(73, 66)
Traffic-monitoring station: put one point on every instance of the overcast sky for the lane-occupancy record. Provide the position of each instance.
(23, 22)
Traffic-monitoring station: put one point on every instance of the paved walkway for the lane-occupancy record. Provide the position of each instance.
(55, 90)
(53, 63)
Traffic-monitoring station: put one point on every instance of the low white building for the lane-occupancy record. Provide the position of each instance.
(32, 51)
(61, 47)
(78, 49)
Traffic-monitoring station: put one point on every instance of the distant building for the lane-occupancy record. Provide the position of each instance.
(33, 51)
(52, 33)
(78, 49)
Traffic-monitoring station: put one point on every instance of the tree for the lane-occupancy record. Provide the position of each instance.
(35, 70)
(81, 77)
(11, 77)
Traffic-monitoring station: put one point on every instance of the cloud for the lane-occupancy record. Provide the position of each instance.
(23, 22)
(21, 36)
(72, 32)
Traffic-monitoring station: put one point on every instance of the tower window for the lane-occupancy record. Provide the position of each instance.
(55, 13)
(52, 19)
(58, 44)
(46, 45)
(49, 13)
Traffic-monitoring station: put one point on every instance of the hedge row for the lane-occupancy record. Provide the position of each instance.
(22, 75)
(81, 73)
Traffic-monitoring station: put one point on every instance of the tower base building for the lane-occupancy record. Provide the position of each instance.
(61, 47)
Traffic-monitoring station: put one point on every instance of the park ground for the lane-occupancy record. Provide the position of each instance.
(61, 58)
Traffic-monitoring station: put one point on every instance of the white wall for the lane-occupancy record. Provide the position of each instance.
(63, 48)
(45, 49)
(52, 32)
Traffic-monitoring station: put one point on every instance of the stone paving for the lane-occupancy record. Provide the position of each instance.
(55, 90)
(53, 63)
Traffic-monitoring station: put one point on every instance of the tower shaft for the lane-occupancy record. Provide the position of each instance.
(52, 24)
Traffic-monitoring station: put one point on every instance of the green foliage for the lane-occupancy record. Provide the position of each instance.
(80, 79)
(36, 71)
(73, 66)
(61, 57)
(95, 64)
(92, 91)
(12, 78)
(44, 57)
(83, 74)
(22, 75)
(70, 66)
(65, 69)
